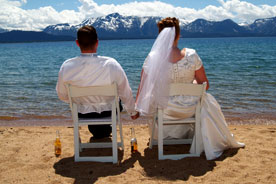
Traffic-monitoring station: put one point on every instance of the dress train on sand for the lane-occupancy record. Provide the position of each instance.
(215, 135)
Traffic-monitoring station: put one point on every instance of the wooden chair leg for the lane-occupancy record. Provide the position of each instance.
(114, 144)
(76, 142)
(152, 132)
(121, 134)
(114, 135)
(160, 135)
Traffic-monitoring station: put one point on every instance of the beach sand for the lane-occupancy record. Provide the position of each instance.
(27, 156)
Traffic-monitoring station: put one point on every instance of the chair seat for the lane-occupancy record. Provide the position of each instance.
(98, 121)
(94, 119)
(181, 121)
(173, 141)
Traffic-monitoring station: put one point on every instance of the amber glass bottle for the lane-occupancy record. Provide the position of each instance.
(57, 144)
(133, 142)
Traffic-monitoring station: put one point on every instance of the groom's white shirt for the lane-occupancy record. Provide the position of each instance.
(92, 70)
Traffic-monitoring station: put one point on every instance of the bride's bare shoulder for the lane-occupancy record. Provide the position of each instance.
(177, 55)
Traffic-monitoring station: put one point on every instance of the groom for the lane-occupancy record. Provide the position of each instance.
(89, 69)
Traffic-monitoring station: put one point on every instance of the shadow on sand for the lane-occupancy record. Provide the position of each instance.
(89, 172)
(179, 169)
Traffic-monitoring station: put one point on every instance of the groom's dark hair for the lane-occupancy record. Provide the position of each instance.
(87, 37)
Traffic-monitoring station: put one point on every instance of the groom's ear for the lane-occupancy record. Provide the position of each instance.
(77, 42)
(97, 44)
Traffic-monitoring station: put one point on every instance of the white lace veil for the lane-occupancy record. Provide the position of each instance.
(154, 85)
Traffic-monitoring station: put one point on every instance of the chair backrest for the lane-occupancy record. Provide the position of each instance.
(187, 89)
(107, 90)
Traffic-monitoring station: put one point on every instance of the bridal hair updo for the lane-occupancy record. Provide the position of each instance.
(169, 22)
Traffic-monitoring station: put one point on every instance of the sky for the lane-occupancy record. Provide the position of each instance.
(37, 14)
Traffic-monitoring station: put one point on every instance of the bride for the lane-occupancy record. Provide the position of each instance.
(166, 64)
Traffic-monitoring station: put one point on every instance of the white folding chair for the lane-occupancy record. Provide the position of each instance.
(175, 90)
(111, 91)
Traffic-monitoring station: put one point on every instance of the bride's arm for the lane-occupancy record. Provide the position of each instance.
(138, 91)
(200, 76)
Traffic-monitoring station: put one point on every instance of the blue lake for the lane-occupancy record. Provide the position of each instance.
(241, 71)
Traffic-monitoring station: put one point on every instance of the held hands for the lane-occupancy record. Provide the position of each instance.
(135, 116)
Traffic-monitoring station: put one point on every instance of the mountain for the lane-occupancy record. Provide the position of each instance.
(116, 26)
(61, 29)
(113, 26)
(3, 30)
(263, 27)
(31, 36)
(204, 28)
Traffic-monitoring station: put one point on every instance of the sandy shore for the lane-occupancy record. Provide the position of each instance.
(27, 156)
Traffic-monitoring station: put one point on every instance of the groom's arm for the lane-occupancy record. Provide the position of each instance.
(61, 88)
(124, 90)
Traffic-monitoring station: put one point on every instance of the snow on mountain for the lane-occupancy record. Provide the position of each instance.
(116, 26)
(204, 28)
(266, 27)
(3, 30)
(183, 22)
(244, 24)
(143, 20)
(120, 26)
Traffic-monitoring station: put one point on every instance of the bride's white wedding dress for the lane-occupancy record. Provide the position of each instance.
(154, 92)
(215, 134)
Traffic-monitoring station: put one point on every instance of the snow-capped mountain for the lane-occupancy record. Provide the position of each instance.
(114, 26)
(61, 29)
(3, 30)
(204, 28)
(264, 27)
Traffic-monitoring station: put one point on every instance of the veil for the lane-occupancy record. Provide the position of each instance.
(154, 85)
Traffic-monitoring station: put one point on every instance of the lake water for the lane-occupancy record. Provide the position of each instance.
(241, 71)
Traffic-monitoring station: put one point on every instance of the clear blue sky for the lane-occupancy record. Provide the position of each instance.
(60, 5)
